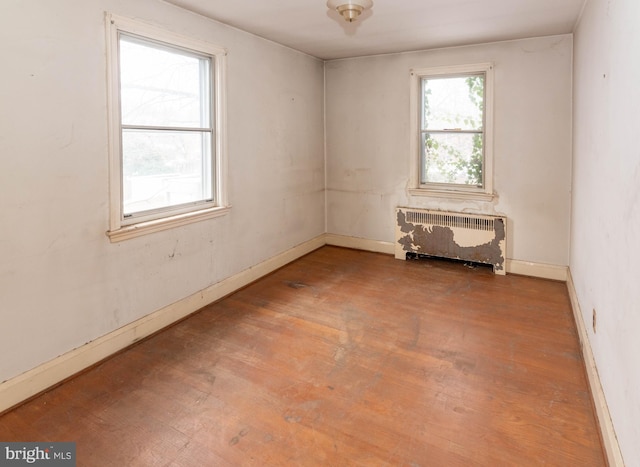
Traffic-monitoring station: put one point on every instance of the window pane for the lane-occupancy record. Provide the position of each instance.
(162, 168)
(451, 103)
(163, 87)
(452, 158)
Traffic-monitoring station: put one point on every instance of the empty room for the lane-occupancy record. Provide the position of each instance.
(310, 232)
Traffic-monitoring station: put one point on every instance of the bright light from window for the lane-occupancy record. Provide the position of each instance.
(165, 98)
(453, 130)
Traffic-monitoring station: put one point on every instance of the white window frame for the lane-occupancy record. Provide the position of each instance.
(440, 190)
(121, 228)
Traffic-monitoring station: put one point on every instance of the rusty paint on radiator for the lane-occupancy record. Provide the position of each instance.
(439, 241)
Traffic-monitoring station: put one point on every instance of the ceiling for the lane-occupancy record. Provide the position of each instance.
(391, 25)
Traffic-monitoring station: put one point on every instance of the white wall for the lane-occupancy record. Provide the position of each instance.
(368, 143)
(605, 233)
(62, 283)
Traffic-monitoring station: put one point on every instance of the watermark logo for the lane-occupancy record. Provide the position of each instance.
(38, 454)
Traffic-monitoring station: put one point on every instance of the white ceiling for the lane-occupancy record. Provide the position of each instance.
(391, 25)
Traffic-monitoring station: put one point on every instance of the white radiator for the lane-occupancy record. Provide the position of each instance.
(454, 235)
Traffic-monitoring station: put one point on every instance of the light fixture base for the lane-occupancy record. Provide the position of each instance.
(349, 9)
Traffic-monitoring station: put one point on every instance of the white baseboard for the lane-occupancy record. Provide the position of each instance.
(356, 243)
(541, 270)
(42, 377)
(607, 431)
(525, 268)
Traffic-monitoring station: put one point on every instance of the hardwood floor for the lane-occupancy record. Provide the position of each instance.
(341, 358)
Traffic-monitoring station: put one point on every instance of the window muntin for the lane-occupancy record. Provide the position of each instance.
(167, 149)
(452, 131)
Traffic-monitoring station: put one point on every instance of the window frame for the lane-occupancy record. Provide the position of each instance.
(121, 227)
(444, 190)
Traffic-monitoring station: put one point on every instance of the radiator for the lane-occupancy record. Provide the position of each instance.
(454, 235)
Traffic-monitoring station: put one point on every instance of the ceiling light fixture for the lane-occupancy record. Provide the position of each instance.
(350, 9)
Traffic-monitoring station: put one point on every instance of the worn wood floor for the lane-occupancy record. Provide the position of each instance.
(341, 358)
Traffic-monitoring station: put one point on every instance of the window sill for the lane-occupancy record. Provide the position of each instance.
(450, 194)
(158, 225)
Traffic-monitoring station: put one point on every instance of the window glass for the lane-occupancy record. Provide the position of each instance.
(164, 168)
(162, 86)
(166, 131)
(452, 141)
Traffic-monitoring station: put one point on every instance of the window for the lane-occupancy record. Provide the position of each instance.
(166, 128)
(451, 131)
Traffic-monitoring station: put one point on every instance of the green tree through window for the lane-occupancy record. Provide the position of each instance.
(453, 130)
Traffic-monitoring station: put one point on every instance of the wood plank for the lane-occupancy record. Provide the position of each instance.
(341, 358)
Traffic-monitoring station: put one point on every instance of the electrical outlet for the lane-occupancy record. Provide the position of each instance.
(593, 320)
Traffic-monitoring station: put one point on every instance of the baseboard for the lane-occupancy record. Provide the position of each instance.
(607, 431)
(359, 243)
(541, 270)
(42, 377)
(525, 268)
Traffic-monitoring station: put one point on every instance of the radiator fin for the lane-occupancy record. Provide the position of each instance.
(450, 220)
